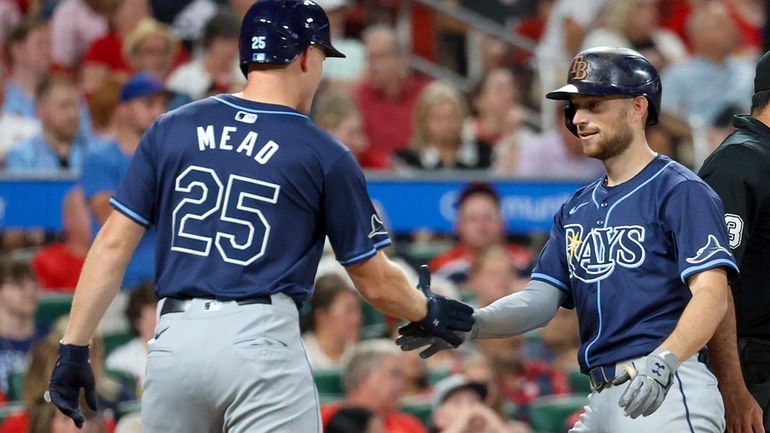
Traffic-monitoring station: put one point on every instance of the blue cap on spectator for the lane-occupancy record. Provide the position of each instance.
(139, 86)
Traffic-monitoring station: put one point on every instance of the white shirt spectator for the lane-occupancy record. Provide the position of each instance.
(129, 358)
(74, 26)
(192, 79)
(666, 42)
(15, 129)
(545, 155)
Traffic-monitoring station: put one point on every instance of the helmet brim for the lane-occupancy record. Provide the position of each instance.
(563, 93)
(330, 51)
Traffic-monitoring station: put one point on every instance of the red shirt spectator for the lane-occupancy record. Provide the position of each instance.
(394, 421)
(388, 119)
(57, 268)
(535, 379)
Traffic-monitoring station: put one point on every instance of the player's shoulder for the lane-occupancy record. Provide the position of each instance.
(671, 174)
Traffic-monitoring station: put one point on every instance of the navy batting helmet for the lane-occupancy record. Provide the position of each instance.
(275, 32)
(606, 71)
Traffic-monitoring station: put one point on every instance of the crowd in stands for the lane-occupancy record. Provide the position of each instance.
(82, 80)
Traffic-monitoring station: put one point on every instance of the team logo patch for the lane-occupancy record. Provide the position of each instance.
(378, 228)
(593, 256)
(705, 252)
(579, 69)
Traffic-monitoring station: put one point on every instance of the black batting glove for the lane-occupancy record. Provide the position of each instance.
(445, 316)
(72, 372)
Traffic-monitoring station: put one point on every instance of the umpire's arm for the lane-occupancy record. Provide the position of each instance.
(383, 284)
(101, 276)
(703, 313)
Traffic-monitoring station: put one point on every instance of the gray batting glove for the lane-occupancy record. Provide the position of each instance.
(648, 388)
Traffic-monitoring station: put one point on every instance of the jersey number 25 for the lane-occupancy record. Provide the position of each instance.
(242, 231)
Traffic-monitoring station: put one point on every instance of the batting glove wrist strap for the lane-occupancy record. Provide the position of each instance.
(649, 387)
(73, 354)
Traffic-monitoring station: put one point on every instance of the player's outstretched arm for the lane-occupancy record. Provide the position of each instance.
(742, 412)
(510, 315)
(99, 282)
(383, 284)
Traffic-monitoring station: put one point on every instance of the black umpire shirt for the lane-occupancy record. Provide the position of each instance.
(739, 171)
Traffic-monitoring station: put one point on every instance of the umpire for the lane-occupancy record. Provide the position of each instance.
(739, 171)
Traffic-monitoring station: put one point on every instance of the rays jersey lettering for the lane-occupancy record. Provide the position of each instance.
(593, 256)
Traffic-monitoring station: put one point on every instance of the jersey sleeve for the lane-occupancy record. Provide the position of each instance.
(355, 230)
(695, 217)
(733, 174)
(551, 266)
(135, 195)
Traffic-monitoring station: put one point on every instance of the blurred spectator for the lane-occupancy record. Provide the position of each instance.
(416, 374)
(522, 381)
(493, 275)
(478, 368)
(388, 94)
(57, 265)
(18, 332)
(493, 99)
(555, 153)
(142, 99)
(565, 30)
(458, 407)
(36, 418)
(437, 140)
(106, 53)
(103, 105)
(338, 114)
(374, 379)
(13, 128)
(151, 47)
(714, 38)
(342, 76)
(76, 24)
(335, 313)
(190, 21)
(140, 313)
(479, 225)
(634, 24)
(355, 420)
(749, 17)
(9, 17)
(561, 338)
(59, 147)
(722, 127)
(29, 51)
(217, 68)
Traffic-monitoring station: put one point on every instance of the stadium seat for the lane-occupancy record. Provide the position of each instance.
(579, 383)
(548, 414)
(329, 381)
(112, 341)
(15, 381)
(436, 375)
(52, 306)
(10, 408)
(127, 407)
(373, 325)
(421, 410)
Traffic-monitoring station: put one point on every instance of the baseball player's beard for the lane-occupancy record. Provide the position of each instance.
(611, 145)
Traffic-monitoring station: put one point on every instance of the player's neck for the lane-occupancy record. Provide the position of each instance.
(628, 164)
(763, 116)
(272, 89)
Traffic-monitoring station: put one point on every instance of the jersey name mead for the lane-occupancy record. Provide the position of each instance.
(593, 256)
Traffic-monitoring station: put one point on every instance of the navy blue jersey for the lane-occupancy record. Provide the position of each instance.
(243, 195)
(622, 256)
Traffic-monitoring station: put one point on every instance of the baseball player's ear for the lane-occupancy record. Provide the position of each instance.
(304, 58)
(639, 105)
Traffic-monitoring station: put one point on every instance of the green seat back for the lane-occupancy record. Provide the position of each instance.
(548, 414)
(421, 411)
(52, 306)
(329, 381)
(579, 382)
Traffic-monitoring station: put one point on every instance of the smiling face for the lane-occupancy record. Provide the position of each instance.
(604, 123)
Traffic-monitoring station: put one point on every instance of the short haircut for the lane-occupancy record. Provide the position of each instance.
(145, 28)
(398, 47)
(22, 30)
(759, 101)
(478, 188)
(142, 296)
(15, 270)
(50, 82)
(366, 357)
(327, 288)
(224, 24)
(332, 108)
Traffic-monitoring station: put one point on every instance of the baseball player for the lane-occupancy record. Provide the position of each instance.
(737, 170)
(243, 190)
(642, 254)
